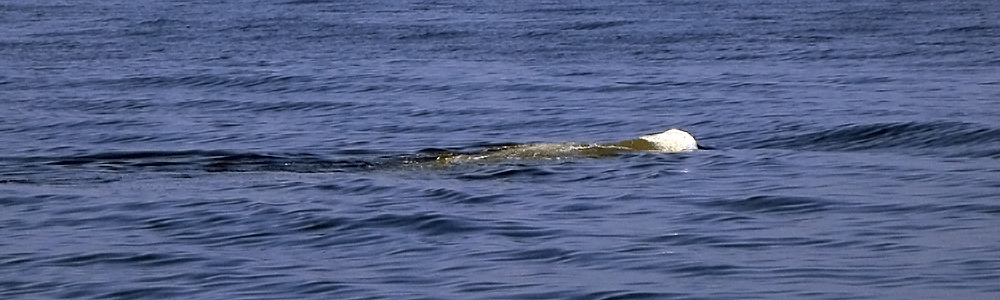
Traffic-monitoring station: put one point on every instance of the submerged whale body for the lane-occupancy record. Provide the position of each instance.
(670, 141)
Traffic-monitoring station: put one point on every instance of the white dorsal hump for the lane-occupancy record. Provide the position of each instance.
(673, 140)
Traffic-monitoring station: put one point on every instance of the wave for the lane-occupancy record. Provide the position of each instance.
(773, 204)
(210, 161)
(265, 83)
(954, 138)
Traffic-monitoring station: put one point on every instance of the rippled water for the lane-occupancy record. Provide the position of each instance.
(284, 150)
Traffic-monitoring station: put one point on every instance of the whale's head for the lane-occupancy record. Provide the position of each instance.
(671, 141)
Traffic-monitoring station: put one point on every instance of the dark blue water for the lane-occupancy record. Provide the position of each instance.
(279, 150)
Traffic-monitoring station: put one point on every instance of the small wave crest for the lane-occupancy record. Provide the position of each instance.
(957, 139)
(773, 204)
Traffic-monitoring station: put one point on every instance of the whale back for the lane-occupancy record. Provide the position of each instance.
(636, 145)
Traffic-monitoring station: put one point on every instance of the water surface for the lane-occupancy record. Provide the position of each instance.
(277, 150)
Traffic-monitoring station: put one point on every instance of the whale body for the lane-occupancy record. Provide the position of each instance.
(670, 141)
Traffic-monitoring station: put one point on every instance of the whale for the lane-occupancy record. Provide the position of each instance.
(670, 141)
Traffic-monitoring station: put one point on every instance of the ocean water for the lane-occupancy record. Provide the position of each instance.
(246, 149)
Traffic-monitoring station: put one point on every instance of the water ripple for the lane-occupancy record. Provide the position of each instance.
(971, 140)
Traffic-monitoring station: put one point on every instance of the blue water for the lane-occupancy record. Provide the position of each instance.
(284, 149)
